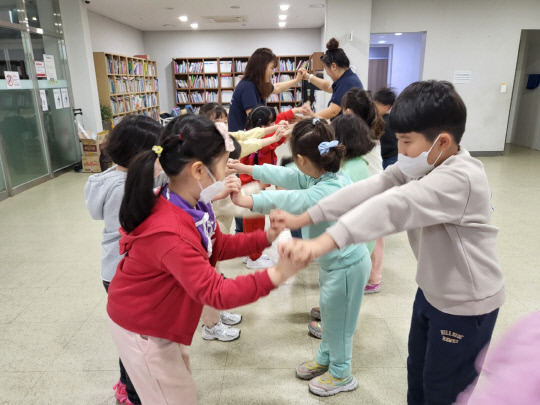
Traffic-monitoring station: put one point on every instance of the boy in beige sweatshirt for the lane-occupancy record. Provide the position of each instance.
(439, 194)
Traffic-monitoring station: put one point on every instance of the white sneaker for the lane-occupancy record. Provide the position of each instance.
(221, 332)
(245, 259)
(229, 318)
(262, 262)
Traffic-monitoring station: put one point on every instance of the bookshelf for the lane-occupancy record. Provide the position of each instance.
(202, 80)
(129, 85)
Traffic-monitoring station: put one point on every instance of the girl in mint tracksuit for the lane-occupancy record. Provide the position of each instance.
(343, 273)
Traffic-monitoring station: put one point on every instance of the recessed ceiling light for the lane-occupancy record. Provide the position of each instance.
(283, 17)
(398, 33)
(235, 7)
(34, 19)
(194, 26)
(317, 5)
(183, 18)
(382, 42)
(284, 7)
(282, 24)
(169, 8)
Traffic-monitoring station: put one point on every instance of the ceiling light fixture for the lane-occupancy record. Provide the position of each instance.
(382, 42)
(317, 5)
(235, 7)
(194, 26)
(183, 18)
(282, 24)
(284, 7)
(283, 17)
(398, 33)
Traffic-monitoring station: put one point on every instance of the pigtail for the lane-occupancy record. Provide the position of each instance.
(139, 197)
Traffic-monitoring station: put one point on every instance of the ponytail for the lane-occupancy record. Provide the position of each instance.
(360, 103)
(139, 197)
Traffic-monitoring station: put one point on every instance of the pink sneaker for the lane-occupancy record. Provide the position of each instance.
(121, 393)
(372, 288)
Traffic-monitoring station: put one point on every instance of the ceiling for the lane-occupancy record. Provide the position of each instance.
(162, 15)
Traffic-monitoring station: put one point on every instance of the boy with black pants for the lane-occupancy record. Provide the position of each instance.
(384, 100)
(440, 195)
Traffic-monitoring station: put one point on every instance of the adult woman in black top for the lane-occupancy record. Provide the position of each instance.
(336, 65)
(255, 87)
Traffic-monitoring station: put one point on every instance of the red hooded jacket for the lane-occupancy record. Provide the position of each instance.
(166, 277)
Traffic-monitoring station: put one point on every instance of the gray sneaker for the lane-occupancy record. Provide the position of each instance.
(221, 332)
(310, 369)
(229, 318)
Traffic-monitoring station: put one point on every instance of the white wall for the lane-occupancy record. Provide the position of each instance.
(527, 131)
(407, 58)
(482, 36)
(113, 36)
(162, 46)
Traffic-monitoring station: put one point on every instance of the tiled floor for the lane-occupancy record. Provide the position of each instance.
(55, 347)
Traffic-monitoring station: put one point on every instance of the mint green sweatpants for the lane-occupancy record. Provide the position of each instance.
(341, 293)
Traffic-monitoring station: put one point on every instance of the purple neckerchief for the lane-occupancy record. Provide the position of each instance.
(202, 214)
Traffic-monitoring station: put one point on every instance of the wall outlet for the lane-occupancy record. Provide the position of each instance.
(350, 36)
(503, 88)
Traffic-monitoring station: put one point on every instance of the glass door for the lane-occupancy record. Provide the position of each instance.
(24, 150)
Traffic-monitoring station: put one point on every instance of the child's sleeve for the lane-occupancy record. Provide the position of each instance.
(280, 176)
(292, 201)
(334, 206)
(437, 198)
(284, 116)
(249, 146)
(255, 133)
(273, 146)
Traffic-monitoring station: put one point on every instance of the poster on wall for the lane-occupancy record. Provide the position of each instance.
(58, 99)
(462, 76)
(40, 69)
(13, 80)
(50, 68)
(65, 97)
(44, 104)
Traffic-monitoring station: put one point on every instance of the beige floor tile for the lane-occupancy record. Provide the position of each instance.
(209, 384)
(16, 386)
(374, 346)
(15, 302)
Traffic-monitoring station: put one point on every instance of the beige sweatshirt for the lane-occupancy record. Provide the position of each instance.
(250, 141)
(447, 214)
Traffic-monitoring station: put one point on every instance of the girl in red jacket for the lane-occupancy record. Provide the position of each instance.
(263, 116)
(171, 243)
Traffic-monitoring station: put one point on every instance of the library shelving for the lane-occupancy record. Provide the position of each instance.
(201, 80)
(129, 85)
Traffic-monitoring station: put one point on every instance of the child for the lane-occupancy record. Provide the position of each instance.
(344, 273)
(171, 243)
(103, 195)
(354, 134)
(263, 116)
(384, 99)
(440, 195)
(358, 102)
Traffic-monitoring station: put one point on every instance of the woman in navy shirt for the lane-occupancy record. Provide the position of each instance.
(336, 65)
(255, 87)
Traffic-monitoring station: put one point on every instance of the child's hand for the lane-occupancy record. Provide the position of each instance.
(288, 220)
(239, 167)
(244, 201)
(275, 229)
(285, 269)
(232, 185)
(300, 250)
(229, 171)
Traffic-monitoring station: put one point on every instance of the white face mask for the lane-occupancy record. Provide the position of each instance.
(208, 193)
(418, 166)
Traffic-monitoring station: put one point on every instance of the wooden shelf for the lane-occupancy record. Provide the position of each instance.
(294, 90)
(108, 74)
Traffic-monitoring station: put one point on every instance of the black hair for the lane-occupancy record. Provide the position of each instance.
(354, 134)
(334, 54)
(259, 116)
(385, 96)
(286, 160)
(213, 111)
(237, 152)
(360, 103)
(429, 107)
(306, 138)
(130, 136)
(185, 138)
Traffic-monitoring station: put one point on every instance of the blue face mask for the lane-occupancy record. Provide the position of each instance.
(209, 193)
(418, 166)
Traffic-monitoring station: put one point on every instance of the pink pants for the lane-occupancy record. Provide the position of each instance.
(158, 368)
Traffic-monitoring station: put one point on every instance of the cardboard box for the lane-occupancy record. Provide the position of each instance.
(315, 62)
(90, 164)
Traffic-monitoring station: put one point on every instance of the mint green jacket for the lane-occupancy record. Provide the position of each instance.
(302, 193)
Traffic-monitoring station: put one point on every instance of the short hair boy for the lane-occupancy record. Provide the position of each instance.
(438, 193)
(384, 100)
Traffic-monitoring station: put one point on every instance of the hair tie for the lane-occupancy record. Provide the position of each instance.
(324, 147)
(179, 137)
(157, 149)
(222, 129)
(315, 120)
